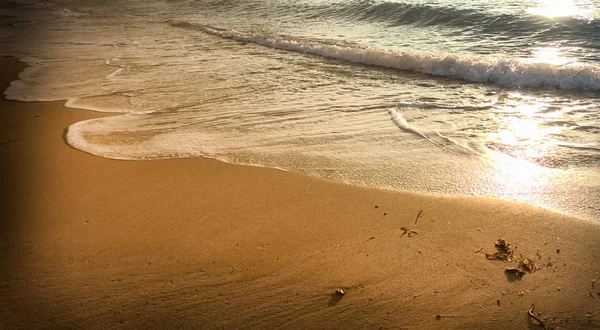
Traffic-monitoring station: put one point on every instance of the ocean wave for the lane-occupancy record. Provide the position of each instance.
(479, 19)
(399, 13)
(501, 71)
(474, 18)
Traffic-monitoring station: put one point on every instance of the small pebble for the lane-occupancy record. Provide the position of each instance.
(340, 292)
(438, 316)
(384, 213)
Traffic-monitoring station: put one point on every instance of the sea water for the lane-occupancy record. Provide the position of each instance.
(472, 97)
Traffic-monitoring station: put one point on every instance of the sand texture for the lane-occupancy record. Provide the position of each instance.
(93, 243)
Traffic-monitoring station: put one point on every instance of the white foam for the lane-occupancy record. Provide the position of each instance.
(401, 122)
(434, 137)
(86, 104)
(40, 81)
(510, 72)
(17, 90)
(165, 145)
(587, 147)
(69, 13)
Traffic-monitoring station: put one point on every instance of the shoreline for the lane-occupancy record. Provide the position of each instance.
(89, 242)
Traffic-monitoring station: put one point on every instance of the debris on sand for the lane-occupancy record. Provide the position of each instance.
(418, 215)
(504, 247)
(408, 231)
(525, 266)
(528, 265)
(505, 251)
(516, 272)
(336, 297)
(591, 292)
(530, 313)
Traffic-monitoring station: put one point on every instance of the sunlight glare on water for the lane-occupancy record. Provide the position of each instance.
(550, 55)
(559, 8)
(524, 131)
(519, 177)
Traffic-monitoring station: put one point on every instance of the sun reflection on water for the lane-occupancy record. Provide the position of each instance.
(522, 131)
(559, 8)
(518, 179)
(550, 55)
(521, 139)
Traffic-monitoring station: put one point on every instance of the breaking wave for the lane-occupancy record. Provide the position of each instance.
(501, 71)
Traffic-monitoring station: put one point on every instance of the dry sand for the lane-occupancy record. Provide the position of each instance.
(93, 243)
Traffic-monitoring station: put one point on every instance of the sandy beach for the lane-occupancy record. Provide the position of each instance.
(93, 243)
